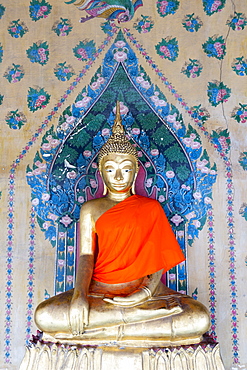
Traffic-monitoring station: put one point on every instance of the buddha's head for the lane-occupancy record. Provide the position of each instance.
(118, 159)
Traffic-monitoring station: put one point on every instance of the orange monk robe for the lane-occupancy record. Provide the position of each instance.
(135, 239)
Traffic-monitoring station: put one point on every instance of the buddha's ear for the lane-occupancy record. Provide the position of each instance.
(137, 167)
(133, 189)
(104, 185)
(105, 189)
(134, 182)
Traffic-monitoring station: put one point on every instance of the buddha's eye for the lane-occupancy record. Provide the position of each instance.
(127, 169)
(109, 170)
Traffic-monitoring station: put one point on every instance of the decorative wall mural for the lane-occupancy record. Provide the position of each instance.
(218, 93)
(39, 9)
(120, 10)
(37, 98)
(39, 52)
(62, 27)
(15, 119)
(17, 29)
(192, 23)
(199, 114)
(144, 25)
(243, 160)
(215, 47)
(240, 113)
(237, 22)
(239, 66)
(192, 69)
(2, 10)
(187, 123)
(84, 50)
(167, 7)
(213, 6)
(14, 73)
(174, 168)
(1, 53)
(221, 139)
(243, 211)
(168, 48)
(64, 71)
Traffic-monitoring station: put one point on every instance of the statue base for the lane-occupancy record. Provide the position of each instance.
(42, 355)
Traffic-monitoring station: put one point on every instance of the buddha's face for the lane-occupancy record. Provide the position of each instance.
(118, 172)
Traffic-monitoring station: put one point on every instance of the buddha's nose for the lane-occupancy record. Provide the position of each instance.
(118, 175)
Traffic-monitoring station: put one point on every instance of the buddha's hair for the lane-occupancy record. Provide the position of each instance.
(118, 142)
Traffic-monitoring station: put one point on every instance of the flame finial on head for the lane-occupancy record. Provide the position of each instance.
(117, 142)
(118, 127)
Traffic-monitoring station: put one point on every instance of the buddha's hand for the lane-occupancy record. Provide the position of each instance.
(133, 299)
(78, 313)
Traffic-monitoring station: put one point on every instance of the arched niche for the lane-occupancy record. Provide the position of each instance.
(174, 168)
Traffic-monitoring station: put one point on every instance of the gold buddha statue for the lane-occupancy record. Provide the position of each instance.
(126, 243)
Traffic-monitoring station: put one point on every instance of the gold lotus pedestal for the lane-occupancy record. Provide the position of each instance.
(41, 355)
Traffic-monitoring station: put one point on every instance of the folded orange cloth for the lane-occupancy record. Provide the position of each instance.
(135, 239)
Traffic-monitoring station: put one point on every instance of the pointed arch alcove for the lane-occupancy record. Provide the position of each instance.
(174, 168)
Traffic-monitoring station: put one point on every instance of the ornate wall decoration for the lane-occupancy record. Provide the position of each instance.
(239, 66)
(192, 23)
(108, 27)
(15, 119)
(240, 113)
(63, 71)
(192, 68)
(17, 29)
(84, 50)
(37, 98)
(30, 282)
(1, 53)
(200, 114)
(14, 73)
(243, 160)
(174, 168)
(213, 6)
(144, 25)
(215, 47)
(194, 110)
(167, 7)
(221, 139)
(168, 48)
(243, 211)
(2, 10)
(218, 93)
(237, 22)
(39, 9)
(62, 27)
(122, 11)
(39, 52)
